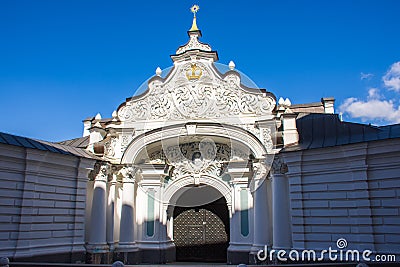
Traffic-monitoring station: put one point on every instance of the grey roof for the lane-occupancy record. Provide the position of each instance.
(326, 130)
(14, 140)
(81, 142)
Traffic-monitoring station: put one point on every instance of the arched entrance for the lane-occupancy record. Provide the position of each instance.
(176, 158)
(201, 233)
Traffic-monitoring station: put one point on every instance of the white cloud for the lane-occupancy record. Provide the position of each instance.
(366, 76)
(371, 110)
(376, 108)
(373, 93)
(392, 77)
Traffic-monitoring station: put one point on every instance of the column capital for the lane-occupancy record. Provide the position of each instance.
(128, 174)
(101, 172)
(279, 166)
(260, 173)
(152, 174)
(240, 172)
(260, 170)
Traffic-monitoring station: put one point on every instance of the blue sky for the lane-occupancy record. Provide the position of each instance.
(62, 61)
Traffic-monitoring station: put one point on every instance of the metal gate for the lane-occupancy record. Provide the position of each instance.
(202, 233)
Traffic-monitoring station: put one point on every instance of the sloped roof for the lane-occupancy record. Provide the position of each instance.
(15, 140)
(326, 130)
(81, 142)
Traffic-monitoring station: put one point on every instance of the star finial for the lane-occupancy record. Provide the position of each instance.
(194, 9)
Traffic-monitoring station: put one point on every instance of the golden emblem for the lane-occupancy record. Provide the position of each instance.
(193, 73)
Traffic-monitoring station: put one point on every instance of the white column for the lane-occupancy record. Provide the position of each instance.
(261, 218)
(97, 233)
(241, 222)
(282, 235)
(152, 239)
(111, 211)
(164, 222)
(117, 210)
(127, 225)
(235, 218)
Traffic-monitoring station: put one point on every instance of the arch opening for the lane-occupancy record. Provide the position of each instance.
(201, 229)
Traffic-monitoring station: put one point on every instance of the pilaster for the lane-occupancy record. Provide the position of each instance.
(111, 187)
(127, 245)
(261, 214)
(154, 245)
(280, 206)
(241, 223)
(97, 243)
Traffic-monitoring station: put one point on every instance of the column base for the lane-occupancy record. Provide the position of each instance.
(238, 253)
(99, 258)
(127, 257)
(97, 248)
(127, 247)
(112, 246)
(97, 253)
(157, 252)
(127, 252)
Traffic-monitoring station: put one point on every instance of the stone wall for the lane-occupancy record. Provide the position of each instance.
(42, 200)
(350, 191)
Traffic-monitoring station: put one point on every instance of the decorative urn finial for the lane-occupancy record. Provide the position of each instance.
(158, 71)
(232, 65)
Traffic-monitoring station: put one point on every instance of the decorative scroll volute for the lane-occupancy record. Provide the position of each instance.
(195, 90)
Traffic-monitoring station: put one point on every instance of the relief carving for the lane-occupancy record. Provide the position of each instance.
(279, 166)
(197, 158)
(100, 172)
(193, 43)
(207, 96)
(127, 173)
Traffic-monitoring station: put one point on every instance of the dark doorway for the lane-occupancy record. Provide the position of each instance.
(202, 233)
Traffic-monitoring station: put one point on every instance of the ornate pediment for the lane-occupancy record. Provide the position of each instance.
(196, 90)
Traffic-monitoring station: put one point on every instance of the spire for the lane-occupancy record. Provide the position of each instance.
(194, 43)
(194, 9)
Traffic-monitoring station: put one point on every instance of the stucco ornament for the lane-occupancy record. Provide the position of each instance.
(100, 172)
(260, 170)
(197, 158)
(205, 96)
(109, 146)
(127, 172)
(193, 43)
(208, 150)
(196, 168)
(279, 166)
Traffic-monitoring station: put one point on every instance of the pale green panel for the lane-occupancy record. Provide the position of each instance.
(150, 213)
(244, 213)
